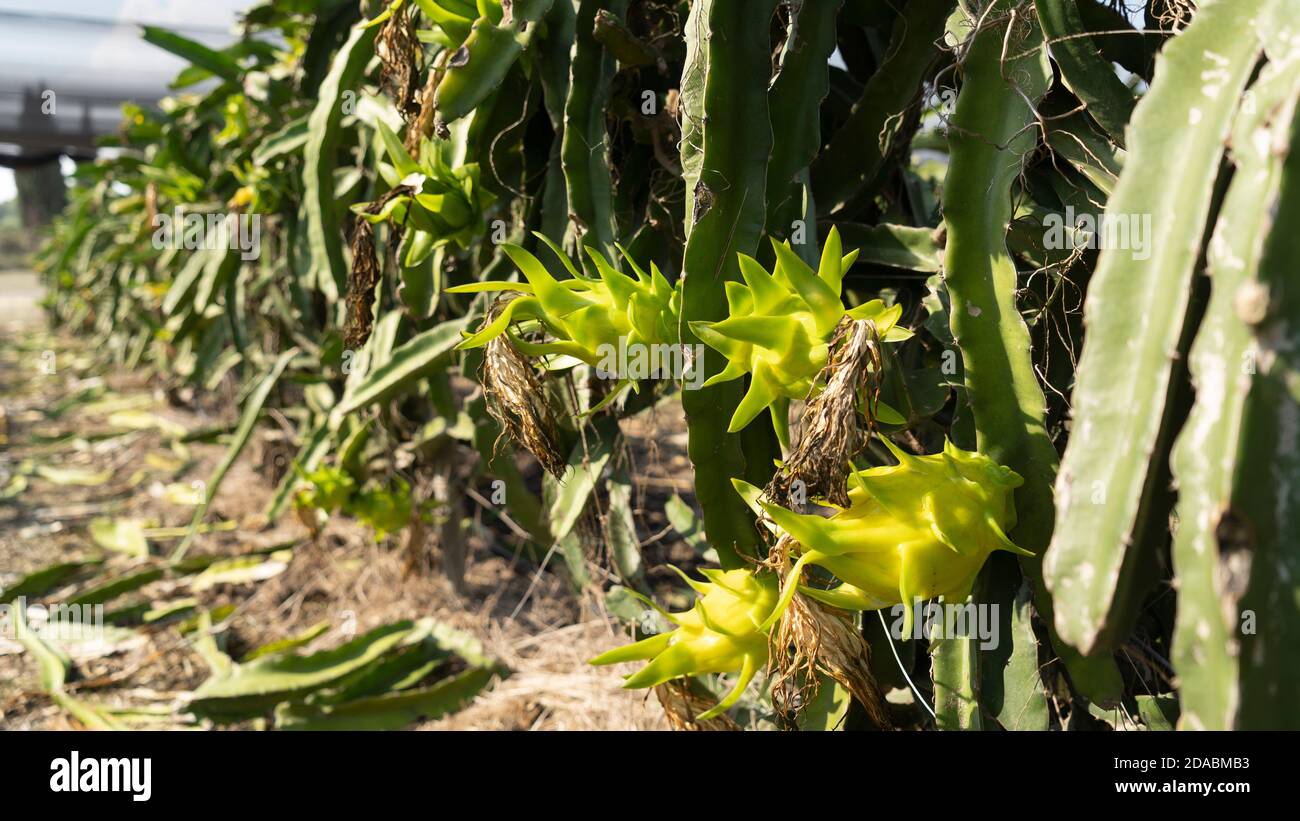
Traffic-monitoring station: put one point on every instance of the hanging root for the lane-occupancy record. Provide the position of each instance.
(516, 400)
(682, 705)
(1175, 15)
(833, 428)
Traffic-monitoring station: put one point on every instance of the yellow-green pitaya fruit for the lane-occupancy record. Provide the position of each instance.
(725, 632)
(916, 530)
(587, 317)
(779, 328)
(442, 200)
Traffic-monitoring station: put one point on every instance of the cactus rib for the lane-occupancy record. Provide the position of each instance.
(1135, 317)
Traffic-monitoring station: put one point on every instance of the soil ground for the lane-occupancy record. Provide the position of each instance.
(531, 621)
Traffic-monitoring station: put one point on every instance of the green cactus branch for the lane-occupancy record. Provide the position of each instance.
(858, 150)
(1208, 456)
(795, 100)
(724, 94)
(1136, 314)
(992, 132)
(1267, 492)
(585, 148)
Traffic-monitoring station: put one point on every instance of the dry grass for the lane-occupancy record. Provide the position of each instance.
(529, 620)
(552, 687)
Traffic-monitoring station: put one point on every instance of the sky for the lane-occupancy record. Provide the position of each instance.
(95, 46)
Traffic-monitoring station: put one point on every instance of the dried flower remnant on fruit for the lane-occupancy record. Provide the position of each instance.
(812, 638)
(683, 707)
(916, 530)
(361, 286)
(779, 326)
(364, 277)
(837, 422)
(399, 55)
(516, 399)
